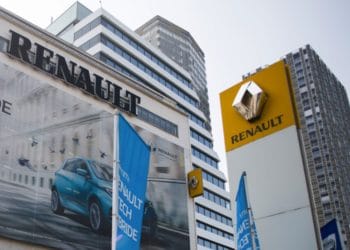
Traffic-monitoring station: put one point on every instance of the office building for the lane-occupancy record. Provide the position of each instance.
(107, 39)
(179, 45)
(324, 114)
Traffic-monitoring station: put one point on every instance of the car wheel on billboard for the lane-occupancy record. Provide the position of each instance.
(95, 217)
(56, 206)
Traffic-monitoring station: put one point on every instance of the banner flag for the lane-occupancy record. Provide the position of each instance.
(331, 238)
(247, 238)
(134, 156)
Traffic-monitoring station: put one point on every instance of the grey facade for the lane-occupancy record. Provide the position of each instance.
(179, 45)
(324, 113)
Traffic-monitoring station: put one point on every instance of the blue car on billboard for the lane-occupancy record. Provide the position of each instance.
(84, 186)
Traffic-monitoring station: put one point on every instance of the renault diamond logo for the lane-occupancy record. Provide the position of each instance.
(249, 101)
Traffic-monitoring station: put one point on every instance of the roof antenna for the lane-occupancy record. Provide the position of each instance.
(100, 3)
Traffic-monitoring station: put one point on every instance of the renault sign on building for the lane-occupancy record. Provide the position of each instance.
(261, 138)
(58, 146)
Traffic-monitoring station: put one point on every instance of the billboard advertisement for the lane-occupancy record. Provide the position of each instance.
(56, 155)
(165, 222)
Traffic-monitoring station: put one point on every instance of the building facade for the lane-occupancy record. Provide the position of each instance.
(108, 40)
(58, 105)
(324, 113)
(179, 45)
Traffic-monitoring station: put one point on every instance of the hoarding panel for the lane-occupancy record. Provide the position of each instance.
(48, 131)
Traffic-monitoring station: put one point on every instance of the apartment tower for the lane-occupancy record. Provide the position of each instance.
(324, 112)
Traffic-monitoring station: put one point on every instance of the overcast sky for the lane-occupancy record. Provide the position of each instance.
(236, 36)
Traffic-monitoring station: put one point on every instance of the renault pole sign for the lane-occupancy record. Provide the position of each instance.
(261, 135)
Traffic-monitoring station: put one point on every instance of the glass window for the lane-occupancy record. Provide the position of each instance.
(106, 23)
(41, 181)
(157, 121)
(69, 165)
(205, 141)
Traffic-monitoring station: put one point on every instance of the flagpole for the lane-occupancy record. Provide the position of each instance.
(116, 163)
(250, 214)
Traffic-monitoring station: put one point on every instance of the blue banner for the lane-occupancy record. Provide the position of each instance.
(134, 157)
(331, 239)
(246, 230)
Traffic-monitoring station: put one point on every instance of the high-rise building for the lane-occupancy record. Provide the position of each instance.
(107, 39)
(179, 45)
(324, 114)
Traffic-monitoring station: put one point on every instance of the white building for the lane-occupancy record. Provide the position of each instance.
(107, 39)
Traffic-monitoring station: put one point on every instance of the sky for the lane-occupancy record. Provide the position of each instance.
(237, 36)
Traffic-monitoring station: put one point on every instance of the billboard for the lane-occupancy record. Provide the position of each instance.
(166, 196)
(56, 153)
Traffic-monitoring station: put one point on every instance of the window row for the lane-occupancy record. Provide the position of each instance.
(213, 179)
(199, 121)
(213, 215)
(104, 58)
(204, 157)
(149, 71)
(157, 121)
(211, 245)
(202, 139)
(107, 24)
(214, 230)
(216, 199)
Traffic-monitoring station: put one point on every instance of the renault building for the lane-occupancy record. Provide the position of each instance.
(57, 105)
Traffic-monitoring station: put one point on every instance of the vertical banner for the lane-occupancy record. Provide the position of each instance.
(331, 238)
(134, 156)
(246, 230)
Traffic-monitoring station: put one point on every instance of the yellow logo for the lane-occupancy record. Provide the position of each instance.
(264, 99)
(195, 183)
